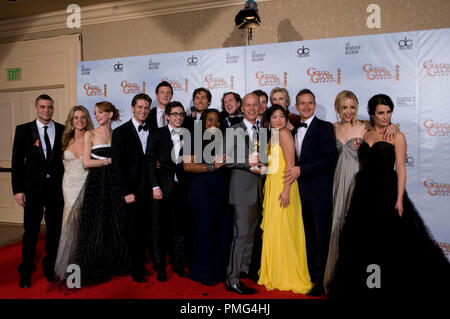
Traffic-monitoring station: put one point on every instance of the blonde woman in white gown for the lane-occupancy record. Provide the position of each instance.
(77, 123)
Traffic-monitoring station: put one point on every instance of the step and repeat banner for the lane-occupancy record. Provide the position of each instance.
(413, 68)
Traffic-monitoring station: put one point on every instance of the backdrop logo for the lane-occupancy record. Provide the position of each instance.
(381, 72)
(258, 57)
(266, 79)
(324, 76)
(192, 60)
(153, 65)
(85, 70)
(219, 83)
(436, 129)
(132, 88)
(232, 59)
(351, 49)
(303, 52)
(436, 69)
(435, 188)
(94, 90)
(405, 44)
(118, 67)
(177, 85)
(409, 160)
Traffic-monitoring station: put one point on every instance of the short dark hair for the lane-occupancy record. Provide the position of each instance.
(43, 97)
(304, 91)
(164, 83)
(172, 105)
(141, 96)
(198, 90)
(206, 112)
(377, 100)
(237, 97)
(260, 93)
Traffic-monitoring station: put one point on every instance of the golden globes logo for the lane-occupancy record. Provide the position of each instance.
(177, 85)
(381, 72)
(219, 83)
(266, 79)
(94, 90)
(324, 76)
(436, 69)
(132, 88)
(436, 129)
(435, 188)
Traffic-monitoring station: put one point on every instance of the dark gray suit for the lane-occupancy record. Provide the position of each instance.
(245, 196)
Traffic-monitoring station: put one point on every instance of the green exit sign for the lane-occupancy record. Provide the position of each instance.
(14, 74)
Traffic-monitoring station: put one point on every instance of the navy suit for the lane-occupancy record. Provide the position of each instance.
(317, 162)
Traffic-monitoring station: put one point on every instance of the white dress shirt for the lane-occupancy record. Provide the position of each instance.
(176, 146)
(143, 135)
(301, 132)
(249, 129)
(51, 131)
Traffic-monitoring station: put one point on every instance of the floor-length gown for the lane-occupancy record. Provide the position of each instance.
(73, 181)
(283, 259)
(101, 249)
(343, 182)
(380, 253)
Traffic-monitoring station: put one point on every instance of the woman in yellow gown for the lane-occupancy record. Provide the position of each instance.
(283, 258)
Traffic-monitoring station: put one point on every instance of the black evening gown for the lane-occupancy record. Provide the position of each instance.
(101, 249)
(411, 264)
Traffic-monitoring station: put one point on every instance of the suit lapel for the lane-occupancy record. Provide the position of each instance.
(246, 137)
(135, 134)
(57, 142)
(36, 137)
(309, 133)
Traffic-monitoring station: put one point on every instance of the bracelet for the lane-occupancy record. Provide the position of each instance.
(210, 167)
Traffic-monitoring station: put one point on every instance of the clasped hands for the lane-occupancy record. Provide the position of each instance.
(256, 166)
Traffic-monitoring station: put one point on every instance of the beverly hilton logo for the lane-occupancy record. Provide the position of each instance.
(436, 188)
(132, 88)
(381, 72)
(436, 69)
(232, 59)
(351, 49)
(94, 90)
(405, 44)
(436, 129)
(303, 52)
(153, 65)
(324, 76)
(177, 85)
(219, 83)
(85, 70)
(266, 79)
(258, 57)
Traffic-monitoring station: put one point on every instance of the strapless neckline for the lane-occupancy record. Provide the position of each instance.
(379, 142)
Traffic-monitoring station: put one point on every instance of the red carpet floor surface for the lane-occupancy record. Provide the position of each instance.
(118, 287)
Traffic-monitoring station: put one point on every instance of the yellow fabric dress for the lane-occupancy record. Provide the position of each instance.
(283, 257)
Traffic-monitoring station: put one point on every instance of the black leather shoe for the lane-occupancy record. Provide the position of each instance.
(161, 276)
(180, 272)
(25, 281)
(138, 278)
(241, 289)
(146, 272)
(316, 291)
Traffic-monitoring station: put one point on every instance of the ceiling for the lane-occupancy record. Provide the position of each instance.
(24, 8)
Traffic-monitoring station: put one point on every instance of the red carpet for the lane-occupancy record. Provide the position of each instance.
(118, 287)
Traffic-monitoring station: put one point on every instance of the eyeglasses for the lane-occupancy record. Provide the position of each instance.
(178, 114)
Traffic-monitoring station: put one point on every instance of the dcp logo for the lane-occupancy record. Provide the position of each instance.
(303, 52)
(409, 160)
(118, 67)
(193, 60)
(405, 44)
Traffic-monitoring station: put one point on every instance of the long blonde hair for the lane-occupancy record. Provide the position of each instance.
(69, 130)
(339, 102)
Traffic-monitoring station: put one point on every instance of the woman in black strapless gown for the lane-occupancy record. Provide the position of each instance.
(384, 242)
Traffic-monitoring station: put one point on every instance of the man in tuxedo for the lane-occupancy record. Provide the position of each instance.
(231, 110)
(157, 116)
(245, 195)
(135, 180)
(170, 217)
(37, 171)
(202, 100)
(316, 155)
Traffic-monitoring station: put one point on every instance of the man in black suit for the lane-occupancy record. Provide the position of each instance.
(157, 116)
(170, 218)
(135, 179)
(315, 147)
(37, 171)
(231, 110)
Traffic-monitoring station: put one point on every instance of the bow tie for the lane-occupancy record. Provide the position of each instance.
(142, 127)
(305, 125)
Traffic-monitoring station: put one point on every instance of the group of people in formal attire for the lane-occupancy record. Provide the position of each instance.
(307, 209)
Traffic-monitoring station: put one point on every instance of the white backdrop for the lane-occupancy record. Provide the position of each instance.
(413, 68)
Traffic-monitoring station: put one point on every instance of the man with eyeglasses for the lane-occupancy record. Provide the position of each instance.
(170, 217)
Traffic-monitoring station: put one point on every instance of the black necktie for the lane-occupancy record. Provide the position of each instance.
(303, 125)
(142, 127)
(48, 145)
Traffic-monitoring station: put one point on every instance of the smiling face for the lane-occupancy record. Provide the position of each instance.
(280, 99)
(201, 101)
(164, 96)
(277, 120)
(44, 110)
(102, 117)
(250, 107)
(176, 116)
(382, 116)
(212, 120)
(348, 111)
(230, 104)
(141, 110)
(305, 105)
(79, 120)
